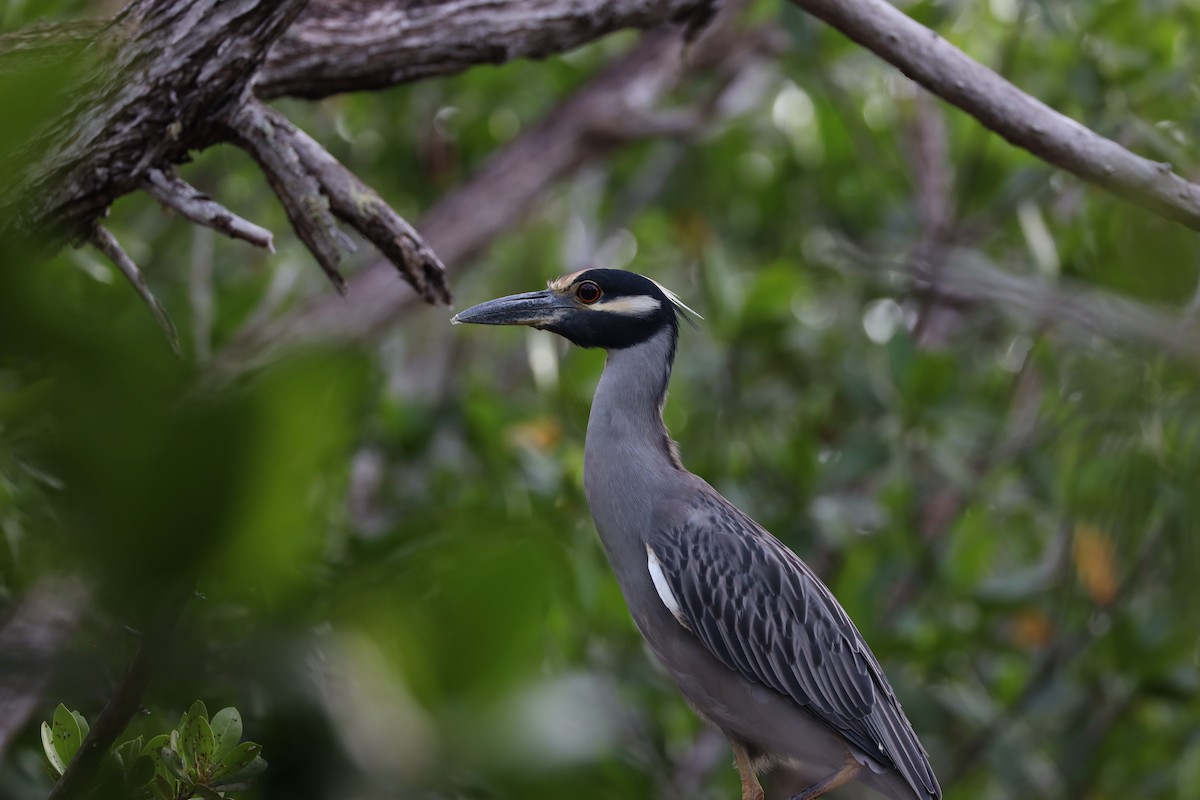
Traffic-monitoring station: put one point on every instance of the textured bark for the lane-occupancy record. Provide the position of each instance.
(350, 45)
(158, 76)
(165, 77)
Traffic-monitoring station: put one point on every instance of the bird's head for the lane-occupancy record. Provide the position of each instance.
(608, 308)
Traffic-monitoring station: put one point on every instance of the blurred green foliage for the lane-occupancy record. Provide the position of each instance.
(395, 571)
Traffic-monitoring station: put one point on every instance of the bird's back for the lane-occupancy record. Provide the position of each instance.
(758, 610)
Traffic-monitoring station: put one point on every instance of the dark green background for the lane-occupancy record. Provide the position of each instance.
(400, 585)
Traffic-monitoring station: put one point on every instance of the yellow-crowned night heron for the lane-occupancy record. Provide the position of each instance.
(757, 644)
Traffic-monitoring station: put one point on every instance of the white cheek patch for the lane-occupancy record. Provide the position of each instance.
(637, 305)
(663, 588)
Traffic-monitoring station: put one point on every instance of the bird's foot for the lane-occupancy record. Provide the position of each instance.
(751, 788)
(843, 776)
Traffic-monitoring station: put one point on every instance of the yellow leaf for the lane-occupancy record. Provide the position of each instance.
(542, 434)
(1095, 563)
(1031, 629)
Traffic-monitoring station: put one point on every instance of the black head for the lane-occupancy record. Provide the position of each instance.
(608, 308)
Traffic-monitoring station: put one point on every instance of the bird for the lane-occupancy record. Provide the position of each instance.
(755, 642)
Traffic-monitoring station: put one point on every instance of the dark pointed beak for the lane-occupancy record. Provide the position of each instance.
(530, 308)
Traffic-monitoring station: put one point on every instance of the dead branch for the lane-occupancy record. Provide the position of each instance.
(257, 133)
(106, 243)
(161, 80)
(153, 82)
(361, 207)
(351, 45)
(578, 131)
(176, 193)
(1021, 119)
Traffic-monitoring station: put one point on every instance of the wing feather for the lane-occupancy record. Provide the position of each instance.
(762, 612)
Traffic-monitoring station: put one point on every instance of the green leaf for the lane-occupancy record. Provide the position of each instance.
(206, 793)
(84, 728)
(55, 761)
(174, 764)
(236, 760)
(163, 788)
(141, 772)
(66, 733)
(153, 750)
(196, 744)
(227, 731)
(242, 777)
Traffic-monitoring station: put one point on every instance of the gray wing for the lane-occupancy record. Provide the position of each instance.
(760, 610)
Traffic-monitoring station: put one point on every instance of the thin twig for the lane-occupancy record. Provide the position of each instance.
(1021, 119)
(193, 204)
(106, 243)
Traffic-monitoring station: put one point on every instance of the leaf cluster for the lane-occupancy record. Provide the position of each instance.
(199, 759)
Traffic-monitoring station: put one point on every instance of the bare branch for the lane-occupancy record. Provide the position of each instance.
(106, 243)
(1021, 119)
(576, 132)
(153, 84)
(174, 192)
(307, 208)
(360, 206)
(1082, 312)
(351, 45)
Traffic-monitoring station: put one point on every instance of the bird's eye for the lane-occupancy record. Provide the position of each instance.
(588, 292)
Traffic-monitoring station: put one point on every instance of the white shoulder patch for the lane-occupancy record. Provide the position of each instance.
(663, 588)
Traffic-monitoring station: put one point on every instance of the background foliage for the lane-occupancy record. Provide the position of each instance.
(397, 581)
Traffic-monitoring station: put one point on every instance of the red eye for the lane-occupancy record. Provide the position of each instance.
(588, 292)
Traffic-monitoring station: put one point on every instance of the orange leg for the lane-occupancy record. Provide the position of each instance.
(751, 788)
(843, 776)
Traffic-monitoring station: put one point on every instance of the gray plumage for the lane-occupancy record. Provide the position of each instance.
(757, 644)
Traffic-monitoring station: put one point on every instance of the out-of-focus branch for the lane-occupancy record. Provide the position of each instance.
(80, 775)
(106, 243)
(351, 45)
(1021, 119)
(515, 179)
(30, 641)
(1076, 310)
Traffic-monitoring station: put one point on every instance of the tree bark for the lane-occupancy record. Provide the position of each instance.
(351, 45)
(161, 73)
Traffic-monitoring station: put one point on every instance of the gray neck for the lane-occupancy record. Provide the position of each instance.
(629, 460)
